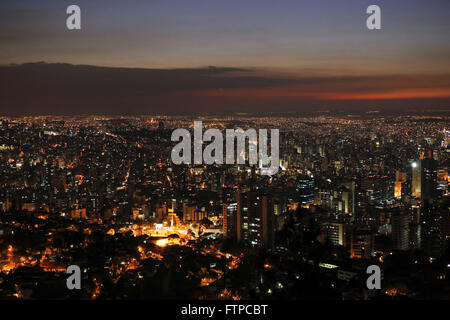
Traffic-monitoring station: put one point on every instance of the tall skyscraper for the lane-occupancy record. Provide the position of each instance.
(229, 216)
(432, 229)
(416, 182)
(305, 190)
(255, 219)
(429, 179)
(400, 231)
(415, 227)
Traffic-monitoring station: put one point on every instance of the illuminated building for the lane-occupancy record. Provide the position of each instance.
(340, 198)
(442, 180)
(445, 141)
(188, 211)
(135, 213)
(400, 179)
(400, 231)
(400, 176)
(398, 190)
(78, 214)
(305, 189)
(416, 183)
(361, 245)
(229, 216)
(334, 233)
(199, 215)
(161, 212)
(29, 206)
(255, 219)
(424, 178)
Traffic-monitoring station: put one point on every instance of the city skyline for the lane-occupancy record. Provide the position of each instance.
(102, 193)
(225, 150)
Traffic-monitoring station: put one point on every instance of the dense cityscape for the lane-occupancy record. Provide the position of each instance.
(101, 192)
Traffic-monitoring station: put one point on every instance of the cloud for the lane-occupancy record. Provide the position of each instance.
(41, 88)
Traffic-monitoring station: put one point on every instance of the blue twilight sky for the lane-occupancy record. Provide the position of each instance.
(314, 36)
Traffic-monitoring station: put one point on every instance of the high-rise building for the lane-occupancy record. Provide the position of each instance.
(305, 190)
(400, 231)
(334, 232)
(416, 182)
(229, 220)
(415, 237)
(255, 219)
(362, 243)
(188, 211)
(429, 179)
(432, 228)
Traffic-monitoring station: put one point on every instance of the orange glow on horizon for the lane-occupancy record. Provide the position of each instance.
(293, 93)
(395, 94)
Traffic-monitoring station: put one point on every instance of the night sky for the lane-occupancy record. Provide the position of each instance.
(269, 55)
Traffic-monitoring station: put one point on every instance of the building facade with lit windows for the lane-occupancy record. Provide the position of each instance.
(255, 219)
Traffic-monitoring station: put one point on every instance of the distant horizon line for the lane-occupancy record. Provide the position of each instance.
(327, 113)
(308, 72)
